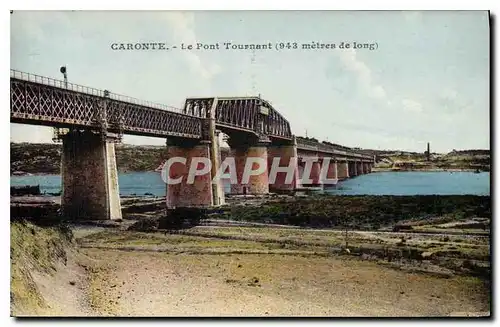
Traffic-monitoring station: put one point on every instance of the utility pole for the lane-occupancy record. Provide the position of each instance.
(57, 132)
(64, 72)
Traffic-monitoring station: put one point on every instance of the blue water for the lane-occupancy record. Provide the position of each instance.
(141, 183)
(381, 183)
(415, 183)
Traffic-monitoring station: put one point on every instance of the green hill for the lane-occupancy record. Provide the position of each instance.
(45, 158)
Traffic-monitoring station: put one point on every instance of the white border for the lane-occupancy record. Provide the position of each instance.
(191, 5)
(254, 5)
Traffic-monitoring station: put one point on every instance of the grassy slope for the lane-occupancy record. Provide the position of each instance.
(33, 248)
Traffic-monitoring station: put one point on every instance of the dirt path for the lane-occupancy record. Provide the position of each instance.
(163, 284)
(66, 291)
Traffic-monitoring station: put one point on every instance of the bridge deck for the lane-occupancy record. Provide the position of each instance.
(45, 101)
(329, 149)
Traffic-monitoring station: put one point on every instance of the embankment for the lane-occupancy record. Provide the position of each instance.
(48, 274)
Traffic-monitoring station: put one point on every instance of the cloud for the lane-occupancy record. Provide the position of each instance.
(363, 73)
(377, 92)
(183, 25)
(411, 105)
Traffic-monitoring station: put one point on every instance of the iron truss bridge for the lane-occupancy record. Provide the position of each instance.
(45, 101)
(323, 149)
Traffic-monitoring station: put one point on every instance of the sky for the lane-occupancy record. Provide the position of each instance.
(426, 81)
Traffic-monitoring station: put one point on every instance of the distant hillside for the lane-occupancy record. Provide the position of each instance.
(35, 158)
(463, 159)
(46, 158)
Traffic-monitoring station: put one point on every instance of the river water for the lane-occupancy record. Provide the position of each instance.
(379, 183)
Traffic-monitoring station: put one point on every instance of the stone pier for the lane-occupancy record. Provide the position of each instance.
(181, 192)
(368, 168)
(89, 177)
(197, 190)
(353, 171)
(287, 154)
(331, 172)
(360, 168)
(243, 151)
(343, 169)
(315, 175)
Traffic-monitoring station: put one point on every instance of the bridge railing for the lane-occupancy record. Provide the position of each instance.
(55, 83)
(317, 146)
(124, 98)
(88, 90)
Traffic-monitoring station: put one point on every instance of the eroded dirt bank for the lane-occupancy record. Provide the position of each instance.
(48, 272)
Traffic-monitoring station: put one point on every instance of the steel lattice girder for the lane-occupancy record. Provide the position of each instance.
(242, 114)
(140, 119)
(48, 104)
(39, 102)
(55, 106)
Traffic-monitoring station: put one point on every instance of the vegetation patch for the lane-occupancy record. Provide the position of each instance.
(34, 248)
(361, 212)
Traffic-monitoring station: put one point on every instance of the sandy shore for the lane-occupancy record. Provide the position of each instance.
(157, 274)
(162, 284)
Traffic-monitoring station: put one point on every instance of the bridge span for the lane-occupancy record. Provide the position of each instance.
(91, 121)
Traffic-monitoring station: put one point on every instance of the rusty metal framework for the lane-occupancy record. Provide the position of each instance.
(138, 119)
(276, 125)
(198, 107)
(45, 101)
(251, 114)
(238, 113)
